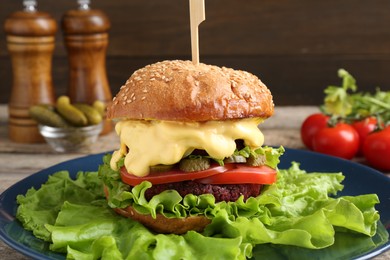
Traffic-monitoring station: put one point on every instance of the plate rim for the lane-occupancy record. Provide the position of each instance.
(23, 249)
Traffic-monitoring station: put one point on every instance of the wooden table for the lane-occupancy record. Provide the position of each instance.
(18, 161)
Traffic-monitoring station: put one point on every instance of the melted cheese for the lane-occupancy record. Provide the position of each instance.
(166, 142)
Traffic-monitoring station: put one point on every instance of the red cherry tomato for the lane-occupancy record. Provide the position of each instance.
(310, 127)
(341, 140)
(376, 149)
(363, 128)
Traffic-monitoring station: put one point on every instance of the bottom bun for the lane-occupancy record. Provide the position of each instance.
(165, 225)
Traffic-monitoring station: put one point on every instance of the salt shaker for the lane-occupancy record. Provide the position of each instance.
(86, 39)
(30, 42)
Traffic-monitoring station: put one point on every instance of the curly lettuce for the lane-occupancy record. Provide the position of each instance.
(346, 103)
(299, 210)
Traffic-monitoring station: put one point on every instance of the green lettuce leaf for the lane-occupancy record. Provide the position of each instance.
(299, 210)
(40, 207)
(92, 232)
(272, 155)
(346, 246)
(337, 100)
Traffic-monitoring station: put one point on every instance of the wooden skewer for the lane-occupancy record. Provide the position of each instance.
(197, 15)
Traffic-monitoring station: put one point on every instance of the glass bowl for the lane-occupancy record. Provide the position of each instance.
(70, 138)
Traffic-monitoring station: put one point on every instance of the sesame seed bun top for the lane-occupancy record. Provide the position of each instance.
(181, 91)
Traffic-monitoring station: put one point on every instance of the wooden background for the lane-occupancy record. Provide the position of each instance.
(295, 47)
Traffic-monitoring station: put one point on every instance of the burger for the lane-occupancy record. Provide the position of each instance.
(189, 141)
(193, 180)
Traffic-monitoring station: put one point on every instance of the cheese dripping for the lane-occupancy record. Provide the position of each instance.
(148, 143)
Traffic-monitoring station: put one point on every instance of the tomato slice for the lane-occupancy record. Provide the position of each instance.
(242, 174)
(172, 175)
(227, 174)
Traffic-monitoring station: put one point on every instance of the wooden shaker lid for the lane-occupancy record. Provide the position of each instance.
(22, 23)
(88, 21)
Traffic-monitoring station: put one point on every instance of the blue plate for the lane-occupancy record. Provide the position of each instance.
(359, 180)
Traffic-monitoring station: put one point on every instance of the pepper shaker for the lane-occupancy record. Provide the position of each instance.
(86, 39)
(30, 42)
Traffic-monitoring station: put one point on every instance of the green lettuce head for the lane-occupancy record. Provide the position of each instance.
(299, 210)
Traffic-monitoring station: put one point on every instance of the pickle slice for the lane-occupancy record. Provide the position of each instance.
(45, 115)
(194, 164)
(235, 159)
(100, 106)
(70, 112)
(256, 160)
(93, 116)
